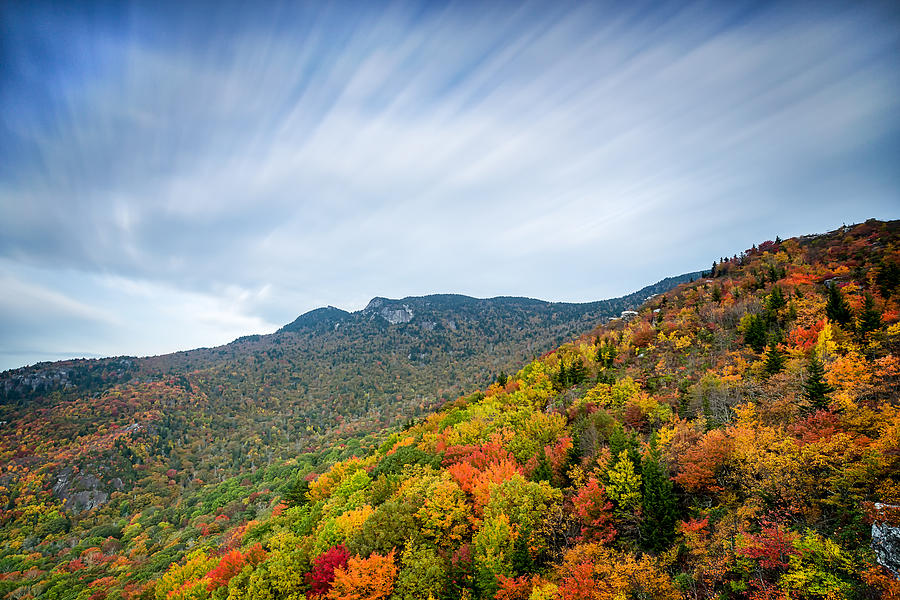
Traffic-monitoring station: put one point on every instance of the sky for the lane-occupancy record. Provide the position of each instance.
(174, 175)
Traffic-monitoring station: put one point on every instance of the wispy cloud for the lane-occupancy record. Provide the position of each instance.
(328, 153)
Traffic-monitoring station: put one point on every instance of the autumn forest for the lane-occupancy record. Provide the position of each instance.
(733, 433)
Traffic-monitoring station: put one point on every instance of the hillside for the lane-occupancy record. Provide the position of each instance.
(735, 438)
(90, 429)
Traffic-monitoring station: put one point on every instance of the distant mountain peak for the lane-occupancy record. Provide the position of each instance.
(447, 309)
(392, 311)
(326, 317)
(375, 303)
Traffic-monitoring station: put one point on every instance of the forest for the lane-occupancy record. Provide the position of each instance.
(738, 436)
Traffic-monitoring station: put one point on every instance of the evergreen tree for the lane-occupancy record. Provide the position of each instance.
(606, 353)
(887, 278)
(792, 311)
(577, 371)
(606, 377)
(776, 300)
(542, 472)
(502, 379)
(296, 493)
(755, 332)
(522, 562)
(660, 511)
(870, 317)
(562, 376)
(618, 440)
(837, 308)
(816, 389)
(774, 360)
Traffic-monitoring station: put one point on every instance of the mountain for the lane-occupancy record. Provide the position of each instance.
(408, 353)
(734, 436)
(317, 319)
(330, 375)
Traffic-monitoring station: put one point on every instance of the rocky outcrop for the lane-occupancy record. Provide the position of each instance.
(83, 491)
(81, 375)
(392, 313)
(886, 537)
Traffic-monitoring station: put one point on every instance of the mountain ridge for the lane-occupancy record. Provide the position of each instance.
(331, 314)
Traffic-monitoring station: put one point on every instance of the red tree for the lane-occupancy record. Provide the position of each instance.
(322, 575)
(595, 511)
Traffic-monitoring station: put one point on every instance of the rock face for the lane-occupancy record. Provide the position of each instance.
(76, 375)
(83, 491)
(390, 311)
(886, 540)
(400, 315)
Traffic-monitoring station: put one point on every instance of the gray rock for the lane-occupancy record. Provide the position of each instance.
(82, 491)
(886, 541)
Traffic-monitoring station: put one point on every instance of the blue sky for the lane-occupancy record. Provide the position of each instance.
(174, 177)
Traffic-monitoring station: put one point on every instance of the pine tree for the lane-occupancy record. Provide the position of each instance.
(869, 318)
(660, 511)
(755, 332)
(837, 308)
(542, 472)
(774, 360)
(561, 377)
(577, 371)
(606, 353)
(887, 278)
(522, 562)
(816, 389)
(296, 493)
(776, 300)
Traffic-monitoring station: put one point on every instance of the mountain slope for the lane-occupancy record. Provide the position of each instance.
(214, 412)
(664, 457)
(667, 455)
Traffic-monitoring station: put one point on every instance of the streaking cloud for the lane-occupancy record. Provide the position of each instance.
(243, 165)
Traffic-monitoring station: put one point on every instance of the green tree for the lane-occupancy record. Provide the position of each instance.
(755, 332)
(493, 553)
(660, 509)
(774, 360)
(815, 388)
(577, 372)
(422, 573)
(561, 377)
(296, 493)
(776, 301)
(502, 379)
(887, 278)
(606, 353)
(522, 562)
(542, 472)
(869, 318)
(836, 308)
